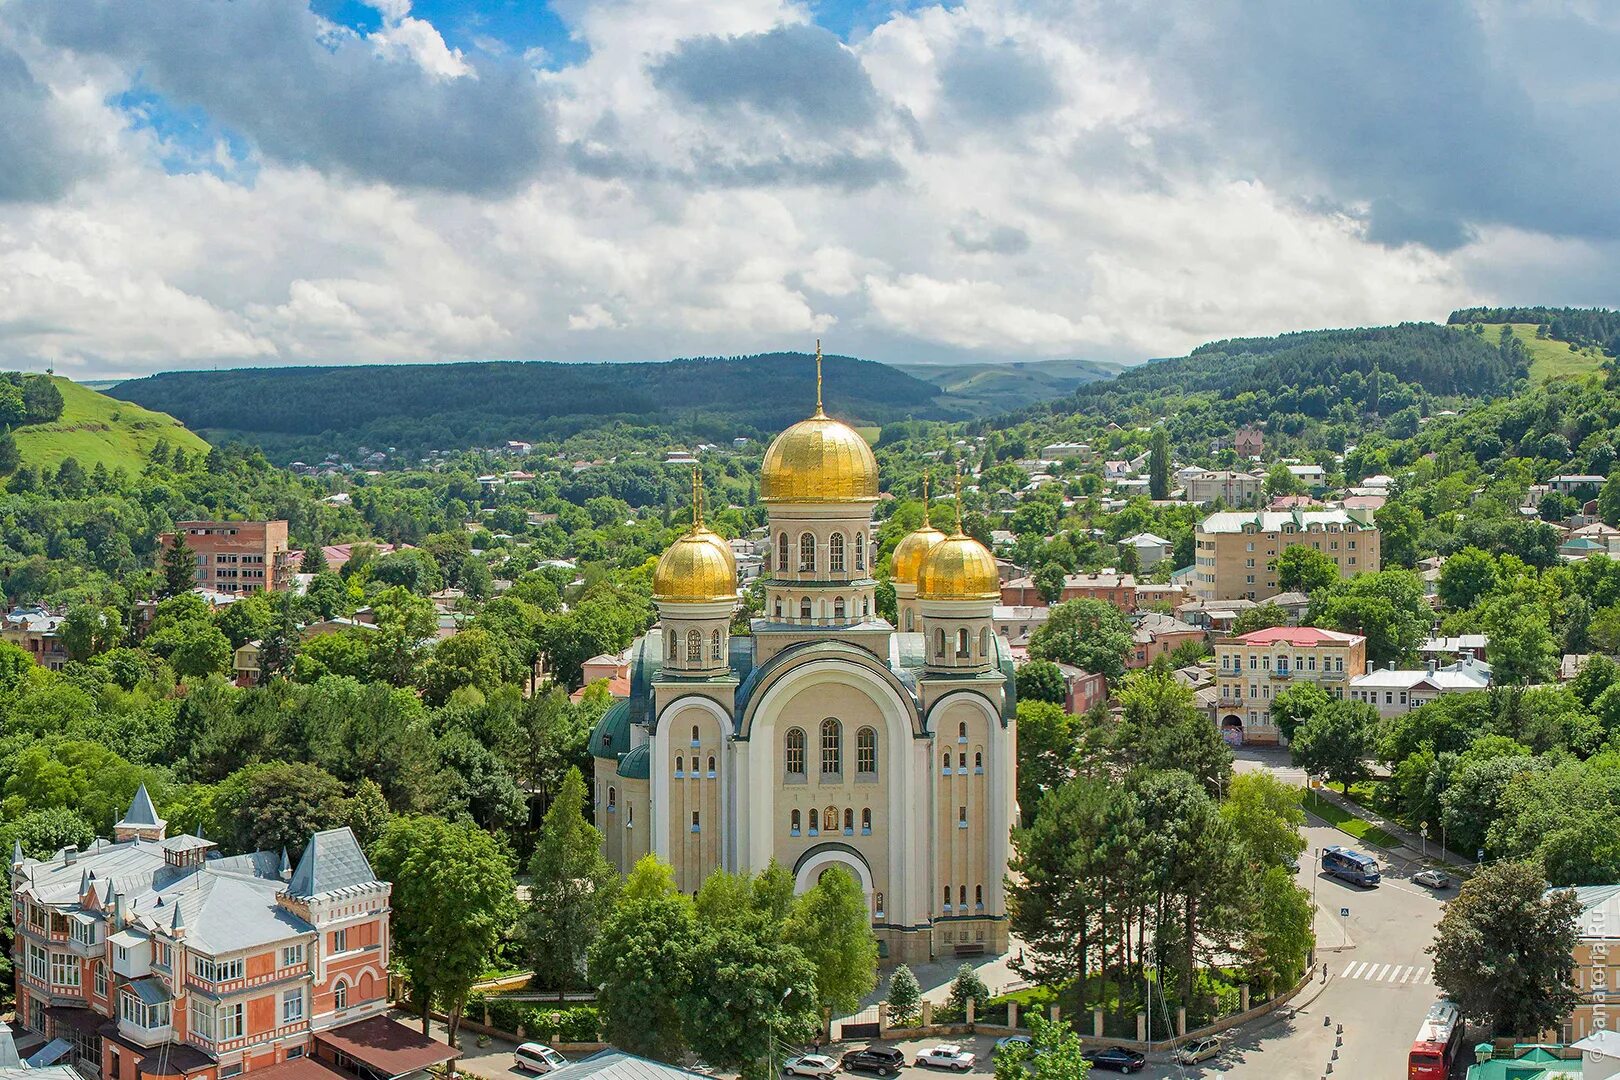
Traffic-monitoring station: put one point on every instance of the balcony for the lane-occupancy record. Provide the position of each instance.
(1282, 673)
(132, 954)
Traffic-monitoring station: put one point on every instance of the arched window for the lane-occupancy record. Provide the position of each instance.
(860, 551)
(978, 762)
(629, 815)
(838, 607)
(695, 739)
(947, 898)
(984, 643)
(795, 751)
(804, 608)
(340, 995)
(835, 553)
(962, 643)
(778, 607)
(939, 643)
(680, 765)
(961, 732)
(849, 822)
(945, 763)
(866, 606)
(961, 897)
(711, 766)
(866, 821)
(866, 750)
(961, 763)
(807, 553)
(877, 902)
(794, 823)
(832, 754)
(670, 636)
(782, 554)
(978, 897)
(694, 647)
(829, 819)
(613, 800)
(714, 645)
(815, 821)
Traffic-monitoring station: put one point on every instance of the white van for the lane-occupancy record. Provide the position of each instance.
(537, 1058)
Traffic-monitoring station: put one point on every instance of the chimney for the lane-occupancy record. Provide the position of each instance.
(1431, 667)
(70, 854)
(1390, 666)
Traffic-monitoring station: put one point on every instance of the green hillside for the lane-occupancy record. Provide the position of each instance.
(1551, 359)
(983, 389)
(96, 428)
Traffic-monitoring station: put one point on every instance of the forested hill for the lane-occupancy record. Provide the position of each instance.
(418, 407)
(1578, 326)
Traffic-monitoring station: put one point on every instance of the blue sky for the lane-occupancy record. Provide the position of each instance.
(193, 183)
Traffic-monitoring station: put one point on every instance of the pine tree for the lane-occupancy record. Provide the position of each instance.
(314, 560)
(1159, 465)
(573, 890)
(905, 996)
(179, 566)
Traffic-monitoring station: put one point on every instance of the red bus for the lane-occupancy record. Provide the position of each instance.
(1437, 1044)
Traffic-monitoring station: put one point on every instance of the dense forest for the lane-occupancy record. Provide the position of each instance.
(308, 412)
(1580, 326)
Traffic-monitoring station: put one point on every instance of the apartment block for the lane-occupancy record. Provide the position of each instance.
(237, 556)
(1596, 970)
(1231, 488)
(154, 956)
(1236, 551)
(1252, 669)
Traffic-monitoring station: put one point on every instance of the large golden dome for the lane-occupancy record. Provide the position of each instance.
(696, 569)
(958, 568)
(818, 460)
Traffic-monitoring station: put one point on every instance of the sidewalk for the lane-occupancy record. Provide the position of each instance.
(1412, 843)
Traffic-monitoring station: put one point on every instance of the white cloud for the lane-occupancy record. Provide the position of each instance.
(1095, 205)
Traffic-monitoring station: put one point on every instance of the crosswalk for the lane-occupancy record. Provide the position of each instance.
(1388, 974)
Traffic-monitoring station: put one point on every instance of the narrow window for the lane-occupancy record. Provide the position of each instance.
(613, 800)
(711, 766)
(860, 551)
(978, 763)
(838, 608)
(680, 765)
(961, 817)
(778, 607)
(714, 646)
(866, 751)
(832, 755)
(807, 553)
(849, 822)
(961, 897)
(939, 643)
(910, 627)
(878, 903)
(978, 897)
(947, 898)
(340, 995)
(695, 742)
(835, 553)
(961, 732)
(782, 554)
(984, 643)
(866, 822)
(694, 647)
(804, 608)
(794, 823)
(795, 752)
(815, 821)
(695, 826)
(962, 643)
(945, 764)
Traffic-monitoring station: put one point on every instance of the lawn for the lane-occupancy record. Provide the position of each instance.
(1550, 359)
(1347, 822)
(94, 427)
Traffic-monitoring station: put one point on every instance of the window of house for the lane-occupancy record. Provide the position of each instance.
(292, 1005)
(778, 607)
(978, 762)
(838, 608)
(782, 553)
(978, 898)
(793, 823)
(340, 995)
(220, 970)
(961, 817)
(613, 800)
(961, 762)
(711, 766)
(945, 764)
(961, 732)
(947, 902)
(101, 980)
(696, 826)
(877, 902)
(962, 644)
(815, 822)
(939, 643)
(860, 551)
(804, 608)
(714, 646)
(340, 941)
(866, 822)
(835, 553)
(64, 969)
(292, 955)
(866, 751)
(228, 1071)
(795, 751)
(680, 766)
(832, 754)
(294, 1052)
(807, 553)
(849, 822)
(961, 897)
(694, 647)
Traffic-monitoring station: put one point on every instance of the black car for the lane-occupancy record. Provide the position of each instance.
(1116, 1058)
(882, 1060)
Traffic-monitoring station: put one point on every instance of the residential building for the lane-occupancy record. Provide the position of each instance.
(1151, 549)
(1606, 536)
(1455, 648)
(1294, 605)
(1067, 451)
(1236, 551)
(1397, 691)
(1596, 968)
(1015, 624)
(1251, 669)
(236, 556)
(1249, 442)
(1109, 586)
(1528, 1061)
(1169, 595)
(1215, 616)
(36, 631)
(1231, 488)
(1312, 476)
(1157, 635)
(1085, 690)
(156, 957)
(1577, 483)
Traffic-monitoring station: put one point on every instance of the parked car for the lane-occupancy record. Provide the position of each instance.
(946, 1056)
(1198, 1050)
(1013, 1040)
(1434, 879)
(817, 1066)
(882, 1060)
(1116, 1058)
(537, 1058)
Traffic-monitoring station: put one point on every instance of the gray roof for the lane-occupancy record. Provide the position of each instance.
(1233, 521)
(618, 1065)
(332, 860)
(151, 991)
(141, 811)
(224, 912)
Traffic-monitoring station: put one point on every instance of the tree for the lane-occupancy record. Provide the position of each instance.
(1159, 465)
(179, 566)
(1280, 937)
(1337, 741)
(1260, 617)
(1305, 569)
(88, 629)
(1522, 648)
(405, 623)
(747, 992)
(1162, 729)
(1296, 703)
(905, 997)
(1087, 634)
(201, 650)
(1388, 608)
(470, 659)
(1052, 1053)
(1049, 582)
(277, 804)
(1504, 949)
(43, 833)
(452, 901)
(1041, 680)
(1280, 480)
(967, 986)
(1466, 577)
(1608, 499)
(833, 928)
(1046, 748)
(639, 963)
(313, 561)
(572, 891)
(10, 456)
(1265, 815)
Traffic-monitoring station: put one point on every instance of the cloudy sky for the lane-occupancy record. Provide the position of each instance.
(199, 183)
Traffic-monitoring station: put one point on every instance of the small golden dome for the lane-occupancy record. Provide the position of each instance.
(696, 569)
(909, 554)
(958, 568)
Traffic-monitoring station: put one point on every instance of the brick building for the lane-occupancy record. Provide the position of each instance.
(237, 556)
(155, 957)
(1109, 586)
(1596, 968)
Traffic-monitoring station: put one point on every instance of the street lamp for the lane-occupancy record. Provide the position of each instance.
(770, 1034)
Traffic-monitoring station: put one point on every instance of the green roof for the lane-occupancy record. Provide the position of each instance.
(610, 738)
(637, 764)
(1526, 1063)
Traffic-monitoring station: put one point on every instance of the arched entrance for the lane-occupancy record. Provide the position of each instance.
(822, 858)
(1232, 729)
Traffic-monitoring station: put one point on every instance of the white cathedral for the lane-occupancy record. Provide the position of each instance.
(825, 737)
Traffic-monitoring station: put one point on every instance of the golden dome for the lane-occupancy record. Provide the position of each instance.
(909, 554)
(696, 569)
(958, 568)
(818, 460)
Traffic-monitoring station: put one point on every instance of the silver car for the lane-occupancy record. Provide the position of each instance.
(1434, 879)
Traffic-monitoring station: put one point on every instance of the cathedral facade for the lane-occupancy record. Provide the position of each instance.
(825, 737)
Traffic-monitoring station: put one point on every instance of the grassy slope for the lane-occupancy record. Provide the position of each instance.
(94, 427)
(1550, 359)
